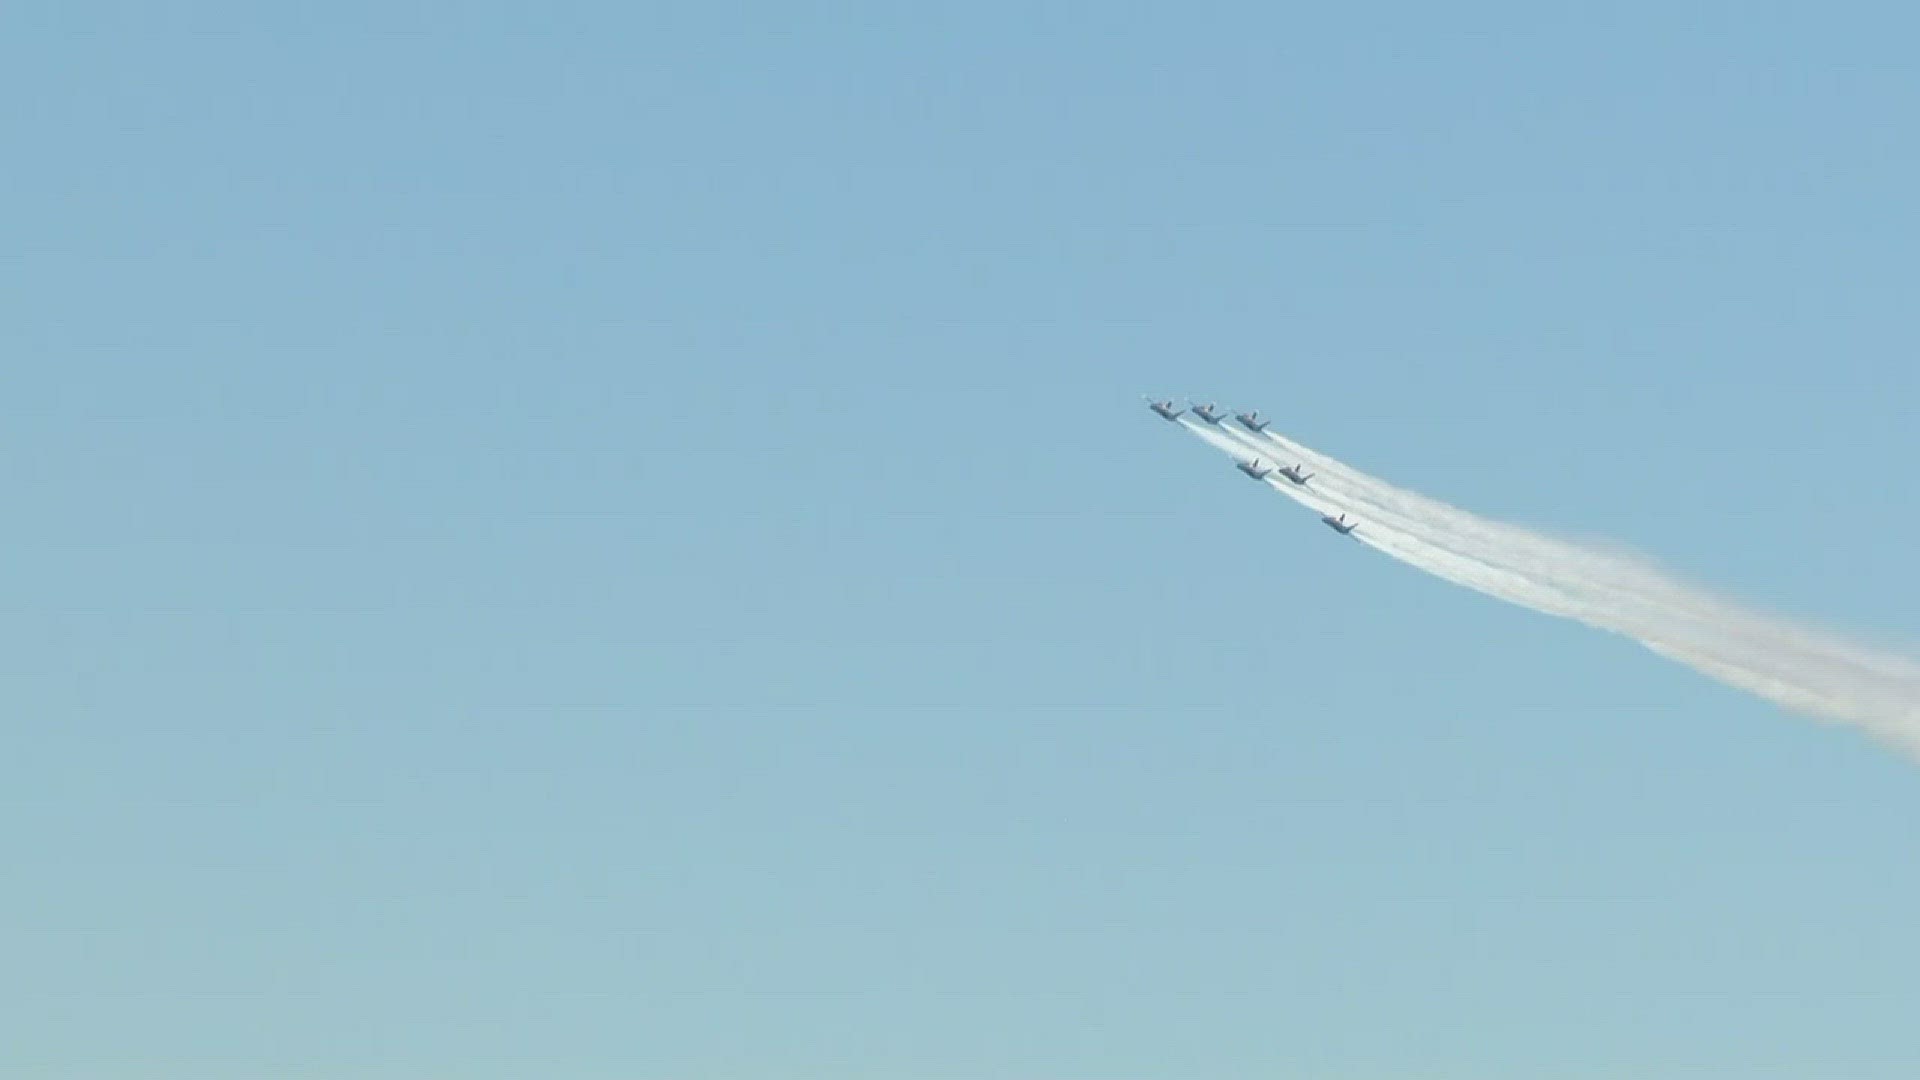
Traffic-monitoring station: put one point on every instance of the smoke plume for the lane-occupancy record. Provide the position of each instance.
(1814, 672)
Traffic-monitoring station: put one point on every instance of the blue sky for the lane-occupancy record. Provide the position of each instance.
(621, 540)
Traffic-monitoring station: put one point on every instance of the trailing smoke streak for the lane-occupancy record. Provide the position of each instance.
(1390, 532)
(1393, 536)
(1809, 671)
(1617, 587)
(1490, 575)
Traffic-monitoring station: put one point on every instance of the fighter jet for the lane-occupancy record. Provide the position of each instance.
(1165, 409)
(1341, 525)
(1293, 473)
(1253, 469)
(1210, 413)
(1251, 418)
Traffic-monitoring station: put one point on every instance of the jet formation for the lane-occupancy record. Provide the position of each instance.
(1254, 469)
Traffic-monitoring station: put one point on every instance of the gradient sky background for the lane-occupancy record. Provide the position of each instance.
(620, 540)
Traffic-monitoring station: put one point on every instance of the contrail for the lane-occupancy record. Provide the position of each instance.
(1390, 532)
(1810, 671)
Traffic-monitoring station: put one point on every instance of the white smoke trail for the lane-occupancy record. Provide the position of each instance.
(1810, 671)
(1392, 533)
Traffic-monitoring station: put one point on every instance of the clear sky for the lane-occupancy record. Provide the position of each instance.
(620, 540)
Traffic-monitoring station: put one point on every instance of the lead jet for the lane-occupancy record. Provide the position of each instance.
(1251, 418)
(1210, 413)
(1293, 473)
(1340, 525)
(1253, 469)
(1165, 409)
